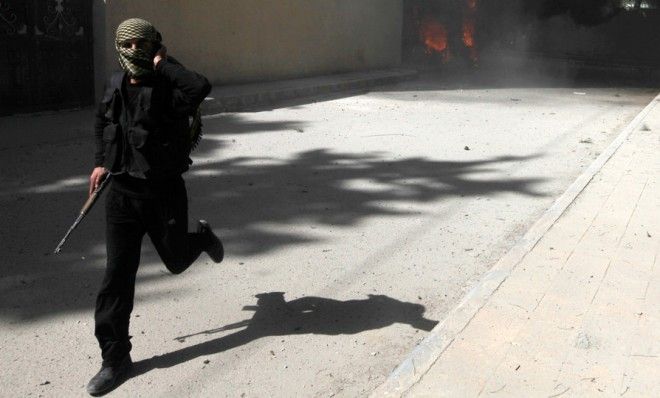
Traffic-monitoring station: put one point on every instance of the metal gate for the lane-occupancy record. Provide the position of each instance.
(46, 59)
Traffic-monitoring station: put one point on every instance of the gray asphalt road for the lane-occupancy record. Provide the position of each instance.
(351, 225)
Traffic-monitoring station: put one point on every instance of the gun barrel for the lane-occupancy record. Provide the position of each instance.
(85, 209)
(66, 236)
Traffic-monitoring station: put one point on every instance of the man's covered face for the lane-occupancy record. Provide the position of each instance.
(141, 44)
(136, 43)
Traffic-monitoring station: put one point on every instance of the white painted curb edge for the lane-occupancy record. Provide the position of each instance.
(420, 360)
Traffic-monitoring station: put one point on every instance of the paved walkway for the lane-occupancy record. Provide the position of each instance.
(580, 315)
(239, 97)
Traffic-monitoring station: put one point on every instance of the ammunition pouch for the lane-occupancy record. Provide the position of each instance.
(137, 137)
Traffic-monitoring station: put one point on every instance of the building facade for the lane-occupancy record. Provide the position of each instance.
(61, 51)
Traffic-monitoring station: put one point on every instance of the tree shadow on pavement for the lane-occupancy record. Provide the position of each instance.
(326, 188)
(243, 198)
(274, 316)
(256, 204)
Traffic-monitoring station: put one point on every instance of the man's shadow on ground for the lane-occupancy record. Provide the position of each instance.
(274, 316)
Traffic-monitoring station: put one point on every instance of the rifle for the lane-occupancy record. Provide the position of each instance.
(83, 212)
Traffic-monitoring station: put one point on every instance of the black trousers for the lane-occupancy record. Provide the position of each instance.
(165, 219)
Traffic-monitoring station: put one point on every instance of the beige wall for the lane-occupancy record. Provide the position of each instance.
(256, 40)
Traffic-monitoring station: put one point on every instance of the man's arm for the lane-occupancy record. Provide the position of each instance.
(100, 123)
(99, 171)
(190, 88)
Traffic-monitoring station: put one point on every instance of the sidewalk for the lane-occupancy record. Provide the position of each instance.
(580, 314)
(239, 97)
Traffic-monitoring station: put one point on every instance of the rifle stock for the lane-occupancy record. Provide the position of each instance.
(89, 203)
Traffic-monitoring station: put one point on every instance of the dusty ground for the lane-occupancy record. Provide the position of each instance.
(351, 226)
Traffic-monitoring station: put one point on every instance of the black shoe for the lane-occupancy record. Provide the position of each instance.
(109, 377)
(213, 247)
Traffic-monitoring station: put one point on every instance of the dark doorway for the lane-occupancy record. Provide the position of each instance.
(46, 60)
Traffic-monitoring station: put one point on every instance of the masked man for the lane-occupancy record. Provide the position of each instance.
(143, 141)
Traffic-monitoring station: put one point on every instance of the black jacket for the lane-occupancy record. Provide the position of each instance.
(148, 137)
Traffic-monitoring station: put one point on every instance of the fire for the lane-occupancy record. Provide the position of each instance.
(468, 29)
(468, 33)
(439, 39)
(433, 34)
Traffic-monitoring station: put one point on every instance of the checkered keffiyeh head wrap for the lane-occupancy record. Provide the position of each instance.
(136, 62)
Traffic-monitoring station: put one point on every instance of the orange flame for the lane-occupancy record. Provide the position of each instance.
(469, 28)
(468, 32)
(433, 34)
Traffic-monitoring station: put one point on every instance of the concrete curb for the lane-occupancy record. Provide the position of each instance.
(237, 98)
(420, 360)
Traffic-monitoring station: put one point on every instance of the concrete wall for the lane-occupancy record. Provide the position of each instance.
(256, 40)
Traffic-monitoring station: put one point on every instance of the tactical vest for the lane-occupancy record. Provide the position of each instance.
(150, 142)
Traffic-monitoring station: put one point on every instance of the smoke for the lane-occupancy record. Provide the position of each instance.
(583, 12)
